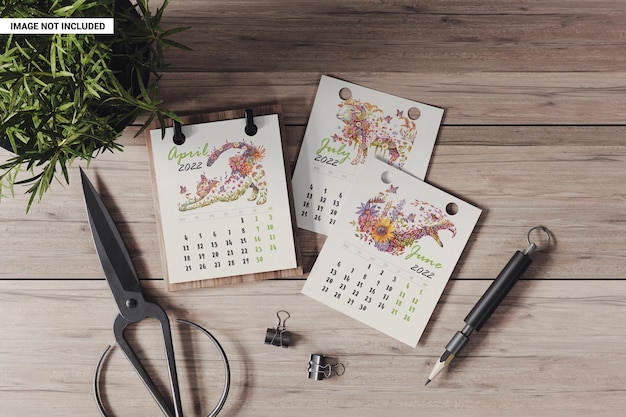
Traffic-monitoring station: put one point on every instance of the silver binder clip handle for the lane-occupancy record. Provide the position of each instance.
(319, 368)
(278, 336)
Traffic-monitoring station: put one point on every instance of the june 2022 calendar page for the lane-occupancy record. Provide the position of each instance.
(223, 202)
(391, 252)
(350, 124)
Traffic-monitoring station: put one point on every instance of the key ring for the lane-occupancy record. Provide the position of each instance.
(532, 247)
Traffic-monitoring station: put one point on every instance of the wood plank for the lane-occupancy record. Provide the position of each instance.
(297, 8)
(400, 36)
(495, 97)
(538, 355)
(576, 191)
(469, 7)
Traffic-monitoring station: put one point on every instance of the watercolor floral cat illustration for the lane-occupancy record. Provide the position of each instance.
(246, 172)
(391, 230)
(366, 126)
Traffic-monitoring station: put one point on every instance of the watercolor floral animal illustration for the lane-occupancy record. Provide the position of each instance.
(365, 126)
(391, 229)
(246, 172)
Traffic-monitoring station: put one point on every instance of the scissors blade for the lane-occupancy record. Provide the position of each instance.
(114, 257)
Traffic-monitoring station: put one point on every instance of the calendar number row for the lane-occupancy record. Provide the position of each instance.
(367, 287)
(322, 206)
(252, 241)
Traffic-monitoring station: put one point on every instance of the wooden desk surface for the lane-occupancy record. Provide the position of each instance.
(533, 133)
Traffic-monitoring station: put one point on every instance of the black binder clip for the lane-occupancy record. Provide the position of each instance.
(278, 336)
(251, 128)
(319, 369)
(179, 137)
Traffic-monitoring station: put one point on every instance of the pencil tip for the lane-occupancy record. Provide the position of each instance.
(427, 382)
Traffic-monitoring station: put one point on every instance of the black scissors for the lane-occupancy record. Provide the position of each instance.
(128, 293)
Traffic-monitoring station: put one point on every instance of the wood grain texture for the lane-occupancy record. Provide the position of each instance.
(533, 133)
(470, 98)
(402, 36)
(512, 367)
(569, 179)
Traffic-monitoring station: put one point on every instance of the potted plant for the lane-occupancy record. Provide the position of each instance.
(68, 96)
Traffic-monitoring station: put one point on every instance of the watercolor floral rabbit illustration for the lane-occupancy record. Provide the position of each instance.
(390, 229)
(366, 126)
(246, 172)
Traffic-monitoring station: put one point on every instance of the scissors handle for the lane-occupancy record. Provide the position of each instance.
(120, 325)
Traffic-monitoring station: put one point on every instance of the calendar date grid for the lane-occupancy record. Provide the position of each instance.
(364, 283)
(242, 240)
(321, 204)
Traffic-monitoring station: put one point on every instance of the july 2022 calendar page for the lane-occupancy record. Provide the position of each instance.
(391, 252)
(223, 202)
(350, 124)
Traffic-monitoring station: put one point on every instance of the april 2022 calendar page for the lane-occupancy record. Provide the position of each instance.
(350, 124)
(391, 251)
(223, 202)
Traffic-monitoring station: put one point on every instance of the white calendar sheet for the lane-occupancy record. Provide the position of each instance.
(350, 124)
(224, 207)
(391, 251)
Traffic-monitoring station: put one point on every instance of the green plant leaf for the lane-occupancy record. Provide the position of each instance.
(67, 11)
(176, 44)
(53, 58)
(173, 31)
(58, 96)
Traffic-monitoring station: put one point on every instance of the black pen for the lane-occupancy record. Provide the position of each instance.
(490, 300)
